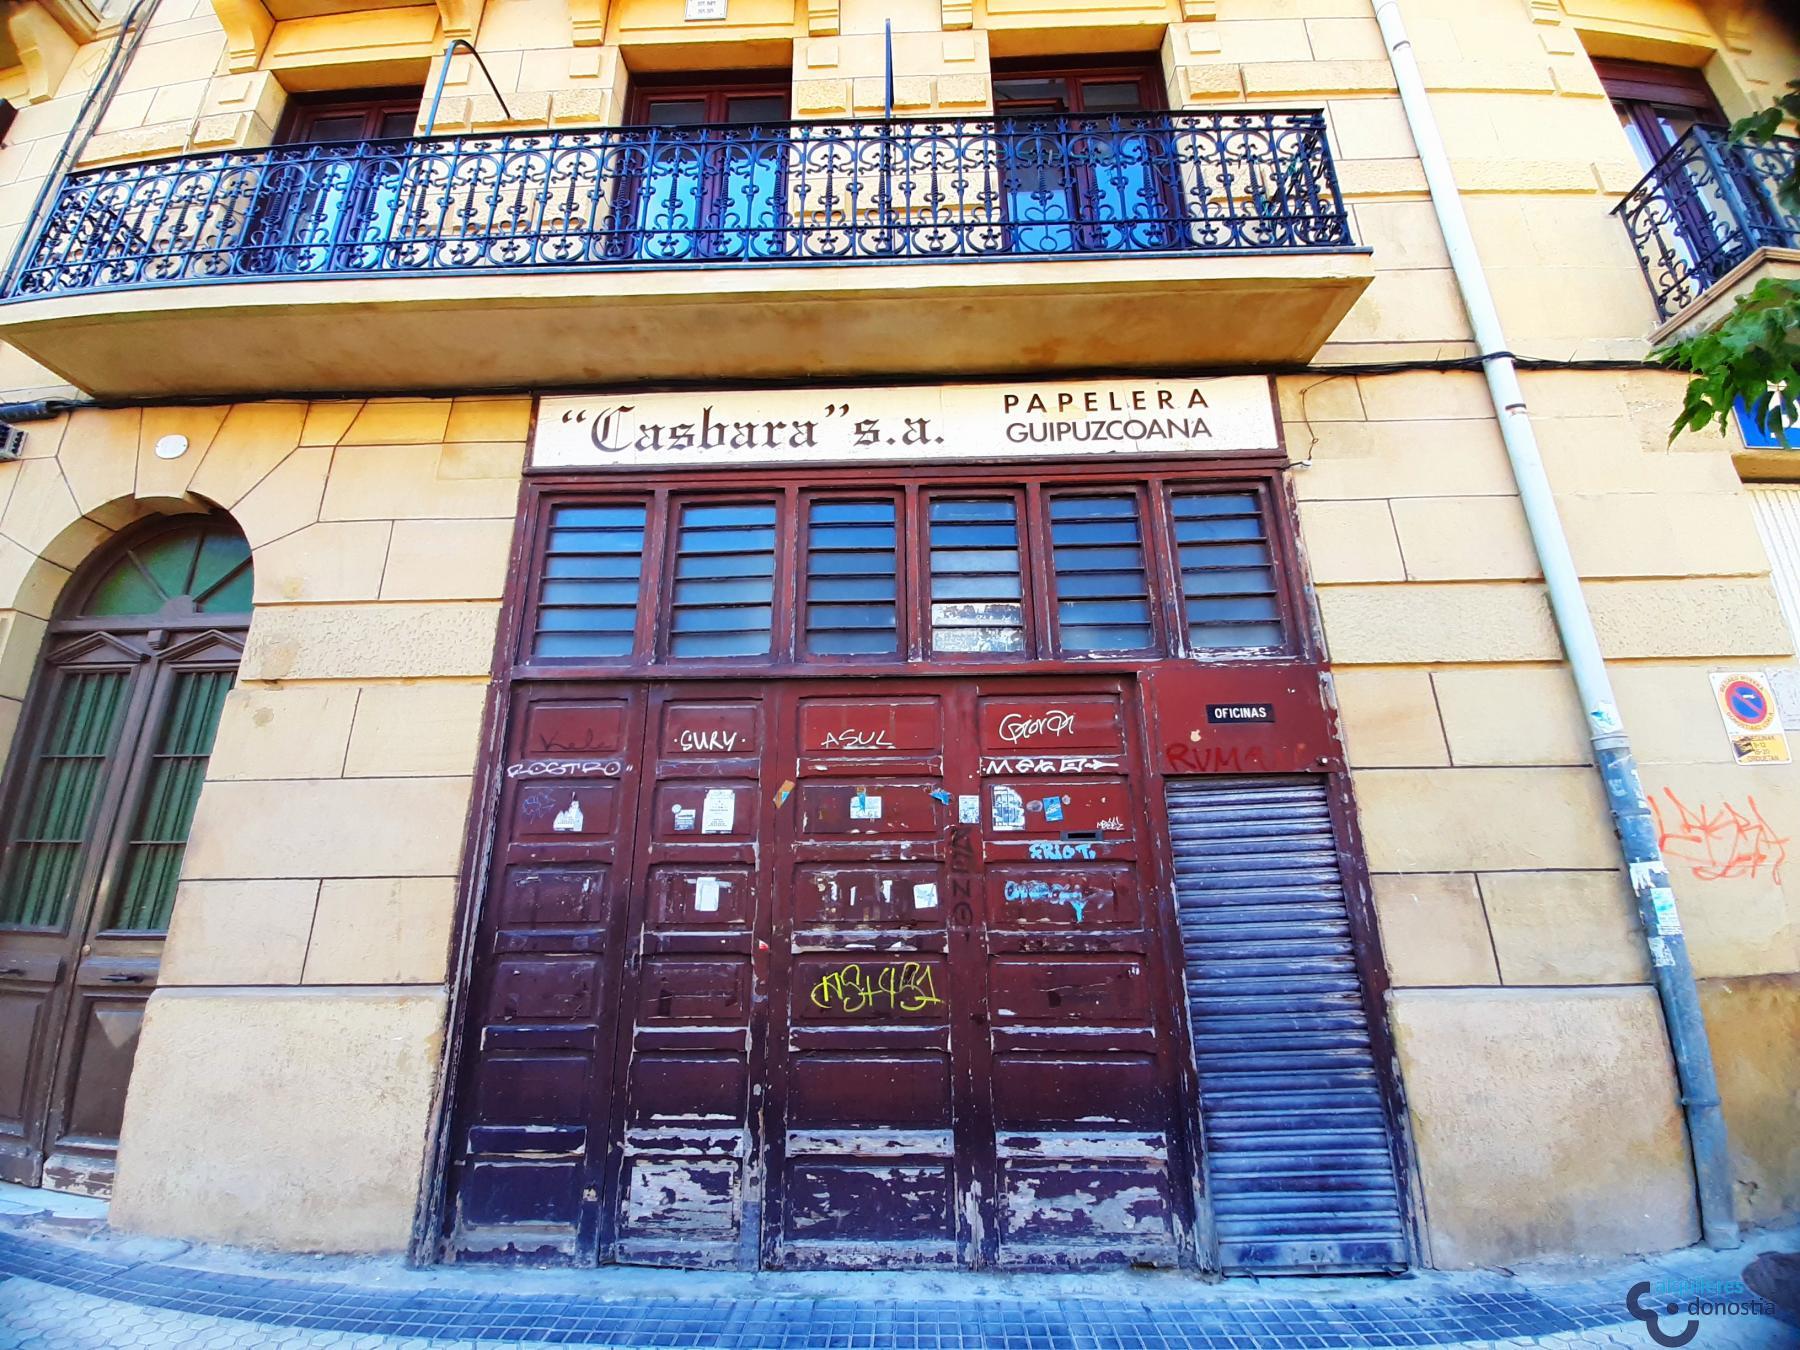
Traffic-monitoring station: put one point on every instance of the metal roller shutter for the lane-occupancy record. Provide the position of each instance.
(1299, 1168)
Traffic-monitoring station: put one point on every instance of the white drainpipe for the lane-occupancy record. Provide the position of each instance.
(1612, 751)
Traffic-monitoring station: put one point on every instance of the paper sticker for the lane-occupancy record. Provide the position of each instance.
(684, 819)
(1605, 720)
(1009, 809)
(925, 895)
(968, 809)
(1752, 718)
(568, 820)
(1053, 808)
(1662, 900)
(718, 811)
(706, 894)
(787, 790)
(865, 807)
(1660, 955)
(939, 795)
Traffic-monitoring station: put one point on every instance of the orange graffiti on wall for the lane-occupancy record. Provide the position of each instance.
(1717, 843)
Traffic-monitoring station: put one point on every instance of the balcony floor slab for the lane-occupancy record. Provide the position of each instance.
(547, 329)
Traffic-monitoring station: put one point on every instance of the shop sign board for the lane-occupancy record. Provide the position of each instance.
(1225, 415)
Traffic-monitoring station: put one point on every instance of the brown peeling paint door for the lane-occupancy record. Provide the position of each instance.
(872, 1153)
(537, 1100)
(821, 974)
(686, 1160)
(973, 1039)
(1080, 1052)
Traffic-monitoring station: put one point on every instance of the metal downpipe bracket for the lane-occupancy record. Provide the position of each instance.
(1636, 827)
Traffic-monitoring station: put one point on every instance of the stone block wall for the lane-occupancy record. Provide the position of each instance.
(294, 1043)
(315, 909)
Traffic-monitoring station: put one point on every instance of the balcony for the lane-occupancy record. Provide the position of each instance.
(942, 247)
(1707, 226)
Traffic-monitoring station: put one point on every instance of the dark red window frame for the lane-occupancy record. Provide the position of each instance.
(1153, 484)
(367, 115)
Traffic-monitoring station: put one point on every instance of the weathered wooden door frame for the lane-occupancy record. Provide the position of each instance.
(150, 651)
(511, 666)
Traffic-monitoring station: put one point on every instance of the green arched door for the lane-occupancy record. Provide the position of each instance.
(99, 793)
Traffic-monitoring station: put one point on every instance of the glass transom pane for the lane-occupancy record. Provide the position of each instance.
(724, 597)
(593, 576)
(1228, 581)
(977, 593)
(1102, 587)
(851, 590)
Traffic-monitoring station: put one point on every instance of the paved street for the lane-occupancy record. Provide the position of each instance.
(68, 1283)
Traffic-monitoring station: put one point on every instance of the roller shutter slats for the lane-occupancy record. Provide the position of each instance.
(1296, 1146)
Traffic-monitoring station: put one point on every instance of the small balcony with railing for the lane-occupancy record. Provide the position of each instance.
(931, 247)
(1707, 225)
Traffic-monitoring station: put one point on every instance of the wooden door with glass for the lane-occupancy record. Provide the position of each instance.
(103, 779)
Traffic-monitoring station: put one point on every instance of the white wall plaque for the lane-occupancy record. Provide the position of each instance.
(706, 9)
(1233, 414)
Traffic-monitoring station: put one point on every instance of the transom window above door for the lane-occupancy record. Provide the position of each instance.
(1657, 105)
(1098, 91)
(845, 571)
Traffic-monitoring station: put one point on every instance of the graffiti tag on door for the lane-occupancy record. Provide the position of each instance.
(1717, 843)
(906, 987)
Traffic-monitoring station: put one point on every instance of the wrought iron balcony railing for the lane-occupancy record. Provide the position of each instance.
(1708, 204)
(657, 197)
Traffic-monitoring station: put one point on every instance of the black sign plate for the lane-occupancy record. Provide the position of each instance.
(1228, 713)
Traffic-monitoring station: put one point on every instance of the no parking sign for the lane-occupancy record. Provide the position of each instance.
(1747, 704)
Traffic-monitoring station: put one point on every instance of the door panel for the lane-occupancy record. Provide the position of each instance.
(864, 1166)
(1081, 1074)
(685, 1170)
(537, 1099)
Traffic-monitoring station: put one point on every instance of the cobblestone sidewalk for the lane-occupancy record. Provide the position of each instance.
(68, 1283)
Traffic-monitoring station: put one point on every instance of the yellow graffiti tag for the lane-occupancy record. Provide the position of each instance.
(907, 988)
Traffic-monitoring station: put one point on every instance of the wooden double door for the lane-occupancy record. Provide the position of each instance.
(853, 974)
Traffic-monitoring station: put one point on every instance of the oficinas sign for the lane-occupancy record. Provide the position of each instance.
(730, 428)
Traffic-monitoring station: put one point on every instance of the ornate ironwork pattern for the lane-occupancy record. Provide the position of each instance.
(1708, 204)
(615, 197)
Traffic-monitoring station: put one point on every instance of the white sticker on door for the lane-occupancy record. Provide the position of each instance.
(925, 895)
(718, 811)
(706, 894)
(865, 807)
(968, 809)
(1009, 809)
(568, 820)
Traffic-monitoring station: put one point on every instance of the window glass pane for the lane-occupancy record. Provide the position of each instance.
(1112, 96)
(165, 810)
(977, 597)
(756, 108)
(850, 585)
(724, 596)
(55, 812)
(1050, 93)
(593, 572)
(677, 112)
(1227, 571)
(207, 561)
(1102, 588)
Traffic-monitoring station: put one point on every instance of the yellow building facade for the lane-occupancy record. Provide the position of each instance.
(360, 1009)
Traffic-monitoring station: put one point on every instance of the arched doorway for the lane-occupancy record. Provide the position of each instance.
(99, 793)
